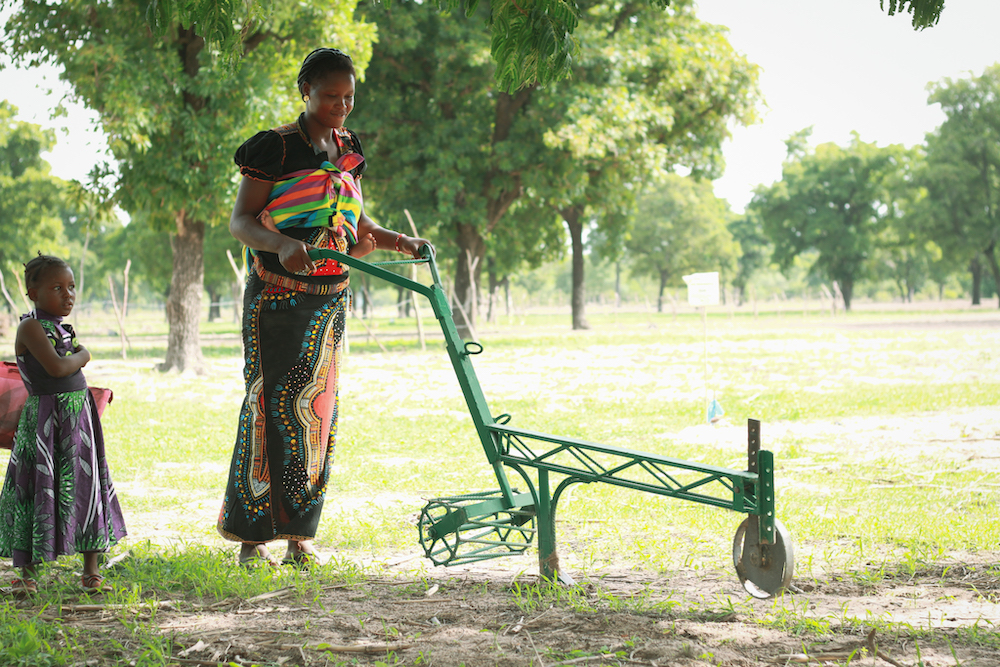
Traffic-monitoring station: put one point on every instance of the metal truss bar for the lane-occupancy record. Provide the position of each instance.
(654, 468)
(738, 485)
(519, 433)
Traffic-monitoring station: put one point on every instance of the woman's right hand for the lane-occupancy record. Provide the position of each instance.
(294, 256)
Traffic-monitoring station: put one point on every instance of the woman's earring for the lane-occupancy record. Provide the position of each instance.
(305, 98)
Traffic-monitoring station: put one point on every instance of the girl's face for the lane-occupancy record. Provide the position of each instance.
(331, 98)
(55, 291)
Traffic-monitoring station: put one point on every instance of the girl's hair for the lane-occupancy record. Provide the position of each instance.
(323, 61)
(38, 267)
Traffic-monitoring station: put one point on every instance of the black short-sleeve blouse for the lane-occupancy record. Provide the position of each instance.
(271, 154)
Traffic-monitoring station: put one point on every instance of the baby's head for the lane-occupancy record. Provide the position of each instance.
(39, 267)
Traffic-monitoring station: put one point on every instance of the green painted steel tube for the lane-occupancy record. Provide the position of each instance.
(740, 484)
(548, 559)
(457, 352)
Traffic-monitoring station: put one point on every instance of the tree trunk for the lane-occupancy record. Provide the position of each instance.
(506, 294)
(991, 261)
(494, 288)
(618, 284)
(471, 254)
(578, 301)
(976, 269)
(847, 291)
(499, 197)
(214, 308)
(663, 287)
(184, 302)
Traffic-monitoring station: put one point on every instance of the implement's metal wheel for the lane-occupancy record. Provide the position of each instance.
(763, 569)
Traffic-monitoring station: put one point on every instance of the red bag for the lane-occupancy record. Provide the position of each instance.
(13, 394)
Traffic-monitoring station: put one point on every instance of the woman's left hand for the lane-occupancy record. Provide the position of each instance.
(412, 245)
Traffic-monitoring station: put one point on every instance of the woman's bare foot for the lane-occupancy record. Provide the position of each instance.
(256, 554)
(300, 553)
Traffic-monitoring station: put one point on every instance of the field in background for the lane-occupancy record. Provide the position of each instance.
(884, 427)
(636, 379)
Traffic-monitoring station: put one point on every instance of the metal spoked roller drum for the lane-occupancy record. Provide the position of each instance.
(474, 527)
(764, 569)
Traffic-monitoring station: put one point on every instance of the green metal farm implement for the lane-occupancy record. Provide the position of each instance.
(490, 524)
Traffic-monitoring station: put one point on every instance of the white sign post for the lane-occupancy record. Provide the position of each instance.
(703, 290)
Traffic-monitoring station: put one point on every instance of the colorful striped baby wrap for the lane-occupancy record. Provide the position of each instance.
(325, 197)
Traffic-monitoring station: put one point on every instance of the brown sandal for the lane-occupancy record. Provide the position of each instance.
(94, 583)
(23, 587)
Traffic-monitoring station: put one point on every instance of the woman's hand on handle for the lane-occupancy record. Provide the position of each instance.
(294, 256)
(411, 245)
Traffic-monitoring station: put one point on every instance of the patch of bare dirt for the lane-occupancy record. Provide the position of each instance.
(471, 616)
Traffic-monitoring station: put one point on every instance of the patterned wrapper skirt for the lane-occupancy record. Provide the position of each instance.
(58, 498)
(287, 429)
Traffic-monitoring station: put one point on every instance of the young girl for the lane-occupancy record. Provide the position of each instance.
(58, 497)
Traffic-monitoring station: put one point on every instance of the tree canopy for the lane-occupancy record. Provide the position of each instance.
(833, 200)
(31, 199)
(962, 175)
(681, 227)
(650, 91)
(531, 41)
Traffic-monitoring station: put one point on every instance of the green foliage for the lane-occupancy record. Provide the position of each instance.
(172, 116)
(681, 227)
(962, 174)
(532, 41)
(217, 22)
(755, 249)
(834, 200)
(925, 12)
(31, 199)
(30, 642)
(650, 90)
(905, 253)
(446, 145)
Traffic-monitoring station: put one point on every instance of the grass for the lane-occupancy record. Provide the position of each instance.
(635, 380)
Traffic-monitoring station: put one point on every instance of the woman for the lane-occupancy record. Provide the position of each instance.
(300, 189)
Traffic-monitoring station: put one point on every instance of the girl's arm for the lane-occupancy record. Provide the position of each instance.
(31, 337)
(248, 229)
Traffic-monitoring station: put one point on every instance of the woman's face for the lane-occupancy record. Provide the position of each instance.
(331, 98)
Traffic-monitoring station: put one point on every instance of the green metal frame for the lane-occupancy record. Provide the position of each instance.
(492, 516)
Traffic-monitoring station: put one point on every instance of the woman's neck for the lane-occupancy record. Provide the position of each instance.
(318, 133)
